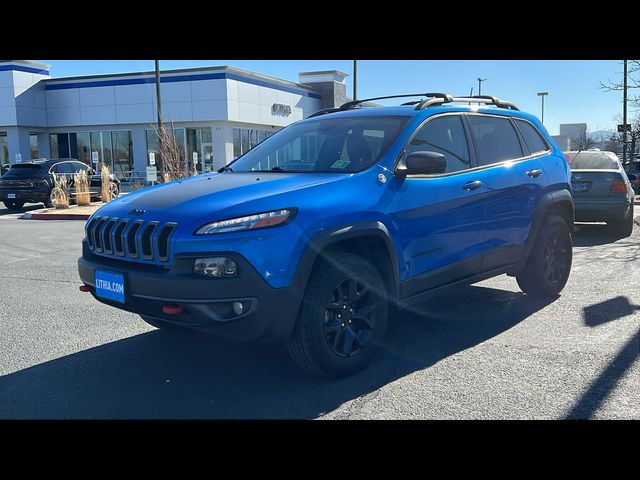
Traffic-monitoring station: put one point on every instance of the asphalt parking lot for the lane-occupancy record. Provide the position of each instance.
(484, 352)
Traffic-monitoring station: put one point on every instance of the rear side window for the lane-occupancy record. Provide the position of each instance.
(23, 170)
(443, 135)
(532, 137)
(496, 138)
(80, 167)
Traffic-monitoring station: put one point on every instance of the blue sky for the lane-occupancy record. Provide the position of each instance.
(573, 85)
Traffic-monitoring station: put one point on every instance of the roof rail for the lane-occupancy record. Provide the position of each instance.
(354, 103)
(487, 99)
(433, 99)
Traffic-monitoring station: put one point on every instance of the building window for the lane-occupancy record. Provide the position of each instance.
(153, 144)
(244, 139)
(122, 158)
(33, 143)
(4, 148)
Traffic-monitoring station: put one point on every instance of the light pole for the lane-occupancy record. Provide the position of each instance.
(480, 80)
(542, 95)
(355, 79)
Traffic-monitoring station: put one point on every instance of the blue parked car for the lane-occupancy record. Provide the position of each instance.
(318, 235)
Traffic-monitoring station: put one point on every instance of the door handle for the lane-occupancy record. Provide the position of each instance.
(473, 185)
(535, 173)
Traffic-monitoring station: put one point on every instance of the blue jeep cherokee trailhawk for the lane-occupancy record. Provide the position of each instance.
(318, 235)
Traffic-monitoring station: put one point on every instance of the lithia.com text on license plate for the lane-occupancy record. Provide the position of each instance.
(110, 286)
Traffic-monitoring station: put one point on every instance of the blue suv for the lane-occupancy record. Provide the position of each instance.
(320, 234)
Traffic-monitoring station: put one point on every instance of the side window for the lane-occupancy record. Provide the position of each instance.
(496, 138)
(532, 137)
(64, 167)
(79, 167)
(443, 135)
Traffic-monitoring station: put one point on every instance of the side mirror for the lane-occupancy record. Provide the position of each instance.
(91, 171)
(422, 163)
(632, 177)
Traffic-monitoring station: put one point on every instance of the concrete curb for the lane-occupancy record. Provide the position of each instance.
(54, 216)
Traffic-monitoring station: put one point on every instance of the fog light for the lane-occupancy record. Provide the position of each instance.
(215, 267)
(238, 308)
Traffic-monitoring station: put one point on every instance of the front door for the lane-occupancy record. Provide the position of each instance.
(440, 218)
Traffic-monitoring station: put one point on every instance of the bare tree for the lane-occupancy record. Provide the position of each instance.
(171, 161)
(582, 141)
(633, 82)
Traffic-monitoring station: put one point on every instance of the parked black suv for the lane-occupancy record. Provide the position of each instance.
(32, 182)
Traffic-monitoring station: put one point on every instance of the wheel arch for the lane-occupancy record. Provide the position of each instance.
(552, 203)
(370, 240)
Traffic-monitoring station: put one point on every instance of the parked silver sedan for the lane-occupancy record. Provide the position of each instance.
(602, 191)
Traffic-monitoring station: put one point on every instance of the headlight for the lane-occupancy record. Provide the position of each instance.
(250, 222)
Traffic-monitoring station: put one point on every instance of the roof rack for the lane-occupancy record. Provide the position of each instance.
(433, 99)
(355, 103)
(487, 99)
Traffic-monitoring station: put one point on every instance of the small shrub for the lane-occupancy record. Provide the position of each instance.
(81, 180)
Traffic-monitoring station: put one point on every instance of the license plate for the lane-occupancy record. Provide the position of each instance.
(110, 286)
(11, 195)
(579, 186)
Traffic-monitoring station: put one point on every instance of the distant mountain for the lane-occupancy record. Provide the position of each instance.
(600, 135)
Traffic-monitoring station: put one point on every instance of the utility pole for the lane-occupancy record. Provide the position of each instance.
(480, 80)
(542, 95)
(158, 100)
(624, 115)
(159, 111)
(355, 79)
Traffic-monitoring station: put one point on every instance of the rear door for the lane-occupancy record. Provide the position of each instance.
(440, 218)
(515, 179)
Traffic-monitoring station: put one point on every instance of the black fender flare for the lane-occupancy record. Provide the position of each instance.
(321, 240)
(547, 201)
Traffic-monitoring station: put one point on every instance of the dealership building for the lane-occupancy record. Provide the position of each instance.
(216, 113)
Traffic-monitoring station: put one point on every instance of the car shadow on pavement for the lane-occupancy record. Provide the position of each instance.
(26, 208)
(592, 234)
(595, 315)
(188, 375)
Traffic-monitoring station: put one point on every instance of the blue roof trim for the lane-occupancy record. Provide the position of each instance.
(22, 68)
(179, 78)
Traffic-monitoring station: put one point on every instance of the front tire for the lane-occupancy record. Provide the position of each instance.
(547, 269)
(342, 319)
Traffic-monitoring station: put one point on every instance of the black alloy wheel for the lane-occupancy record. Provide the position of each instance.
(349, 318)
(557, 259)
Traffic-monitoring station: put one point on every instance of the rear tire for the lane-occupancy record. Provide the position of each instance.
(547, 269)
(161, 325)
(624, 227)
(343, 317)
(14, 206)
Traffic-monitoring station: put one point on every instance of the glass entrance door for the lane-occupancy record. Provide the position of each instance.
(207, 158)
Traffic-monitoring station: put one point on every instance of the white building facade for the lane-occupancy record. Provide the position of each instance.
(216, 113)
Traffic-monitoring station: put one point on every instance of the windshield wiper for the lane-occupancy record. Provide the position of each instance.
(274, 169)
(225, 169)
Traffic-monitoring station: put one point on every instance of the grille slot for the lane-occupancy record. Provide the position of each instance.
(132, 241)
(163, 241)
(128, 238)
(147, 241)
(107, 245)
(118, 238)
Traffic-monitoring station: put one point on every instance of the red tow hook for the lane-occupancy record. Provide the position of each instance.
(86, 288)
(172, 309)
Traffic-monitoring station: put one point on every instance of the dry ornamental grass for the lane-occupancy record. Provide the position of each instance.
(60, 192)
(105, 191)
(81, 180)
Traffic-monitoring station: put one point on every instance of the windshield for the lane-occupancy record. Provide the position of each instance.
(593, 161)
(340, 145)
(23, 170)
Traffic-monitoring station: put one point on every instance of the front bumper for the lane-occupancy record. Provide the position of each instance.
(594, 211)
(206, 301)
